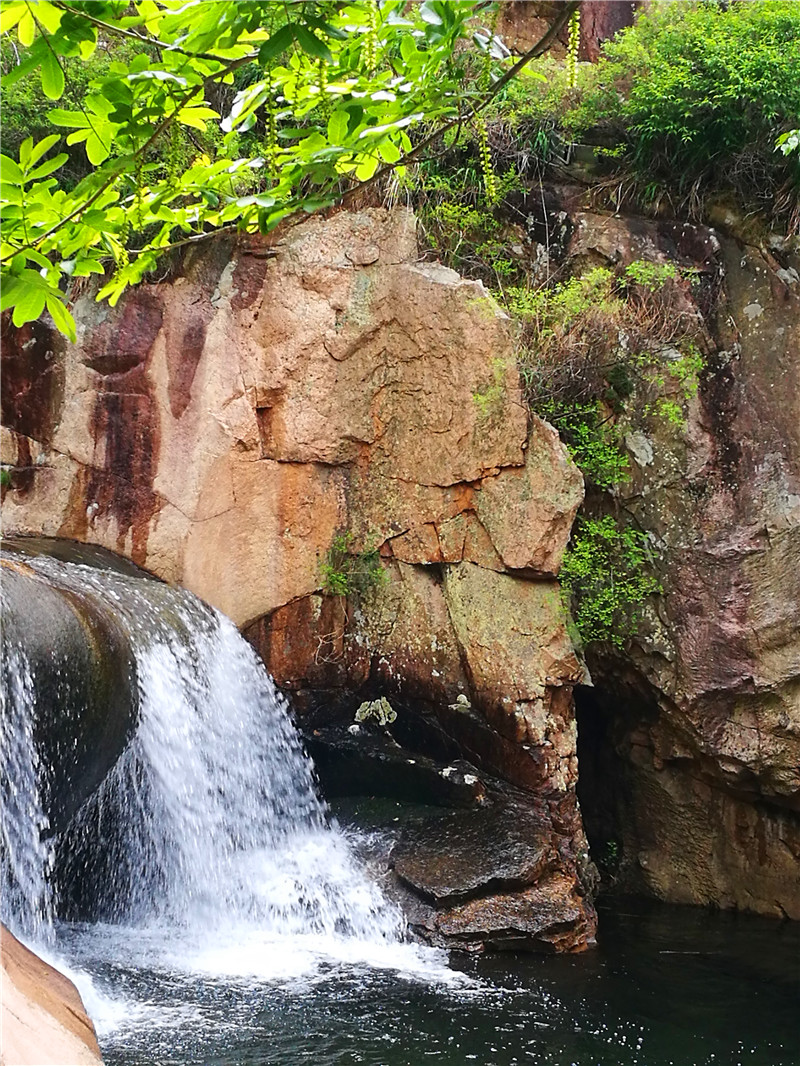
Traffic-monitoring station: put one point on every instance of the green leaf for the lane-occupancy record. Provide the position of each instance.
(10, 171)
(389, 152)
(52, 77)
(43, 146)
(277, 43)
(367, 168)
(11, 194)
(337, 126)
(21, 70)
(26, 31)
(49, 15)
(47, 168)
(29, 304)
(97, 150)
(311, 44)
(85, 267)
(63, 320)
(36, 257)
(10, 291)
(196, 116)
(59, 117)
(409, 50)
(10, 14)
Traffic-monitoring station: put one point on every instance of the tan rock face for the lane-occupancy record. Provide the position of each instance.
(219, 428)
(223, 428)
(43, 1019)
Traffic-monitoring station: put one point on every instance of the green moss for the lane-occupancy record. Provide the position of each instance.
(490, 399)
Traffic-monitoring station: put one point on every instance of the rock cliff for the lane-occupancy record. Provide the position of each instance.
(227, 427)
(690, 751)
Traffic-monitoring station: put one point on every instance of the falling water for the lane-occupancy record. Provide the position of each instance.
(230, 922)
(208, 836)
(25, 893)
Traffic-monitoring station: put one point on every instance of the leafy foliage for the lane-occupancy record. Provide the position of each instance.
(607, 576)
(691, 98)
(599, 341)
(704, 82)
(596, 347)
(345, 572)
(333, 92)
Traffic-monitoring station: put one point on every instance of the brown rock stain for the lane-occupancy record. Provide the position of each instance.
(182, 362)
(32, 378)
(124, 426)
(248, 279)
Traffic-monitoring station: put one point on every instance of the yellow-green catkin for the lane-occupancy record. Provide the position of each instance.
(489, 179)
(573, 46)
(322, 82)
(371, 37)
(271, 132)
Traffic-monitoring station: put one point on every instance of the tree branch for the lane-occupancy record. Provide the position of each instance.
(412, 157)
(154, 42)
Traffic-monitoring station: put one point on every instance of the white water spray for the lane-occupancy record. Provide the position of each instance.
(26, 860)
(207, 846)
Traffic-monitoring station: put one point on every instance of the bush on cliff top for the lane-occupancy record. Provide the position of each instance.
(695, 95)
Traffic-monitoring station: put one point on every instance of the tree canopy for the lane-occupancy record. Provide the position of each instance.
(211, 115)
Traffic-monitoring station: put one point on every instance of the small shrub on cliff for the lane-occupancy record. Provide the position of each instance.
(702, 87)
(345, 572)
(689, 99)
(597, 349)
(606, 576)
(600, 343)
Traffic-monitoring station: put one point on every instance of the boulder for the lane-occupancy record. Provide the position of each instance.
(86, 687)
(44, 1022)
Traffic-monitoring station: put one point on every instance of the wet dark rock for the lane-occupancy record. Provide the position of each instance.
(72, 551)
(462, 854)
(369, 762)
(497, 874)
(85, 682)
(548, 917)
(499, 878)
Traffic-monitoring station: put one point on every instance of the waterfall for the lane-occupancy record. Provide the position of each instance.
(25, 896)
(209, 825)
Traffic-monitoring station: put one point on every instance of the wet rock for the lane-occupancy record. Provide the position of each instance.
(461, 855)
(361, 761)
(500, 877)
(548, 917)
(85, 682)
